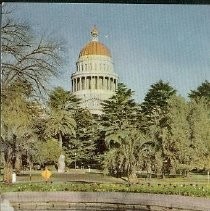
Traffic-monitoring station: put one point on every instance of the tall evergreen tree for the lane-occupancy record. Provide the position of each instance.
(157, 96)
(119, 108)
(199, 123)
(176, 145)
(123, 139)
(203, 91)
(62, 99)
(154, 110)
(81, 148)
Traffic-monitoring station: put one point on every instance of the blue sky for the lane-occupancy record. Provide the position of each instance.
(147, 42)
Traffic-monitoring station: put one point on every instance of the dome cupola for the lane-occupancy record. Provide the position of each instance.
(94, 47)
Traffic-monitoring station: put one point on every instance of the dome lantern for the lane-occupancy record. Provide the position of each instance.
(94, 47)
(94, 33)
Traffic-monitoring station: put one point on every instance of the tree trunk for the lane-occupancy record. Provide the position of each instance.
(173, 167)
(159, 170)
(8, 170)
(18, 162)
(61, 160)
(132, 178)
(60, 140)
(187, 173)
(149, 170)
(8, 165)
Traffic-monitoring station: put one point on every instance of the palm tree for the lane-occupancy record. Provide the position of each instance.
(126, 148)
(59, 124)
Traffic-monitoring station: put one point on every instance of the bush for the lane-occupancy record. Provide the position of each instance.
(185, 190)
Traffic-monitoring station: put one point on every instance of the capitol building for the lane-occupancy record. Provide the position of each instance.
(94, 79)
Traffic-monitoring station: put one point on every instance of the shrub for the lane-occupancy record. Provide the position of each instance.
(185, 190)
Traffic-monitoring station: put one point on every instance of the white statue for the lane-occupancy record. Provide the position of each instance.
(61, 164)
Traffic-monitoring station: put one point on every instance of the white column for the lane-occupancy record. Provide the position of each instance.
(91, 83)
(116, 84)
(85, 85)
(103, 83)
(110, 83)
(75, 85)
(107, 83)
(97, 82)
(88, 82)
(80, 83)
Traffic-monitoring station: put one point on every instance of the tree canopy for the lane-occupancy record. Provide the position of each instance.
(203, 91)
(27, 62)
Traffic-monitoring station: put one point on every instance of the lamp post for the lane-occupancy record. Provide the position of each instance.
(75, 161)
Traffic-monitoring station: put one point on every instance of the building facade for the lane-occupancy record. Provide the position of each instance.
(94, 79)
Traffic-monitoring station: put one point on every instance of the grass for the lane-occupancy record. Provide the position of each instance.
(81, 180)
(70, 176)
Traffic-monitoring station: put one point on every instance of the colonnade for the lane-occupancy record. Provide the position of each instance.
(94, 82)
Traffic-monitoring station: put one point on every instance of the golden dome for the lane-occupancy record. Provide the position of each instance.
(95, 48)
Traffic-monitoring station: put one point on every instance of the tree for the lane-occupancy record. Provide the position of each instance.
(202, 91)
(27, 63)
(180, 140)
(82, 147)
(26, 57)
(199, 123)
(125, 152)
(119, 107)
(200, 116)
(157, 96)
(46, 152)
(154, 116)
(176, 145)
(59, 124)
(124, 141)
(64, 100)
(16, 126)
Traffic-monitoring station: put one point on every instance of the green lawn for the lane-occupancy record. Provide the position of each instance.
(82, 180)
(72, 175)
